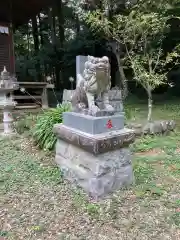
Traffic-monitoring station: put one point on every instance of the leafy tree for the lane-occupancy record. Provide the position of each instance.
(49, 43)
(140, 32)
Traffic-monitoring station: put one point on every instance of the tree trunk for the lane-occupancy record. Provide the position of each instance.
(40, 31)
(36, 45)
(123, 77)
(149, 118)
(77, 24)
(61, 20)
(124, 85)
(35, 34)
(52, 23)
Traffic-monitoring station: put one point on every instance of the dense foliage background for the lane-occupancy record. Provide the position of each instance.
(49, 43)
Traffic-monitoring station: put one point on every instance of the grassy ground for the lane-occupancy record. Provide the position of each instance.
(161, 110)
(35, 203)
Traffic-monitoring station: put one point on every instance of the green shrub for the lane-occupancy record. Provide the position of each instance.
(42, 132)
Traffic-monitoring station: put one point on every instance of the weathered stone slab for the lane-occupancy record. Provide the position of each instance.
(93, 125)
(98, 175)
(98, 143)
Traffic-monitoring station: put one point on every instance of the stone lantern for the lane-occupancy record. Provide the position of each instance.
(7, 85)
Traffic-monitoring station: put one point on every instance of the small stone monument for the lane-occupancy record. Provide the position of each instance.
(7, 85)
(93, 146)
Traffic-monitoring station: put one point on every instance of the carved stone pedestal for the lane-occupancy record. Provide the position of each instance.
(99, 163)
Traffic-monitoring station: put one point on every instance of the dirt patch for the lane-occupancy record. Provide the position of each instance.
(27, 145)
(151, 152)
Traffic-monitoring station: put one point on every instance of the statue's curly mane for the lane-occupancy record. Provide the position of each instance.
(93, 64)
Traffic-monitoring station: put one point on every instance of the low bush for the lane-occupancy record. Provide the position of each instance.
(42, 132)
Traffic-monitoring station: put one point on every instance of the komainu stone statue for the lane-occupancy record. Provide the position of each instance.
(94, 82)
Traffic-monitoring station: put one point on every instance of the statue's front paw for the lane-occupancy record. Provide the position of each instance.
(109, 107)
(93, 110)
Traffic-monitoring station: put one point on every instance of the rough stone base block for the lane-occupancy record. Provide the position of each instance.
(98, 175)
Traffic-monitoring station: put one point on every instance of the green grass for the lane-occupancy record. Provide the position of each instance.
(18, 168)
(138, 112)
(37, 204)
